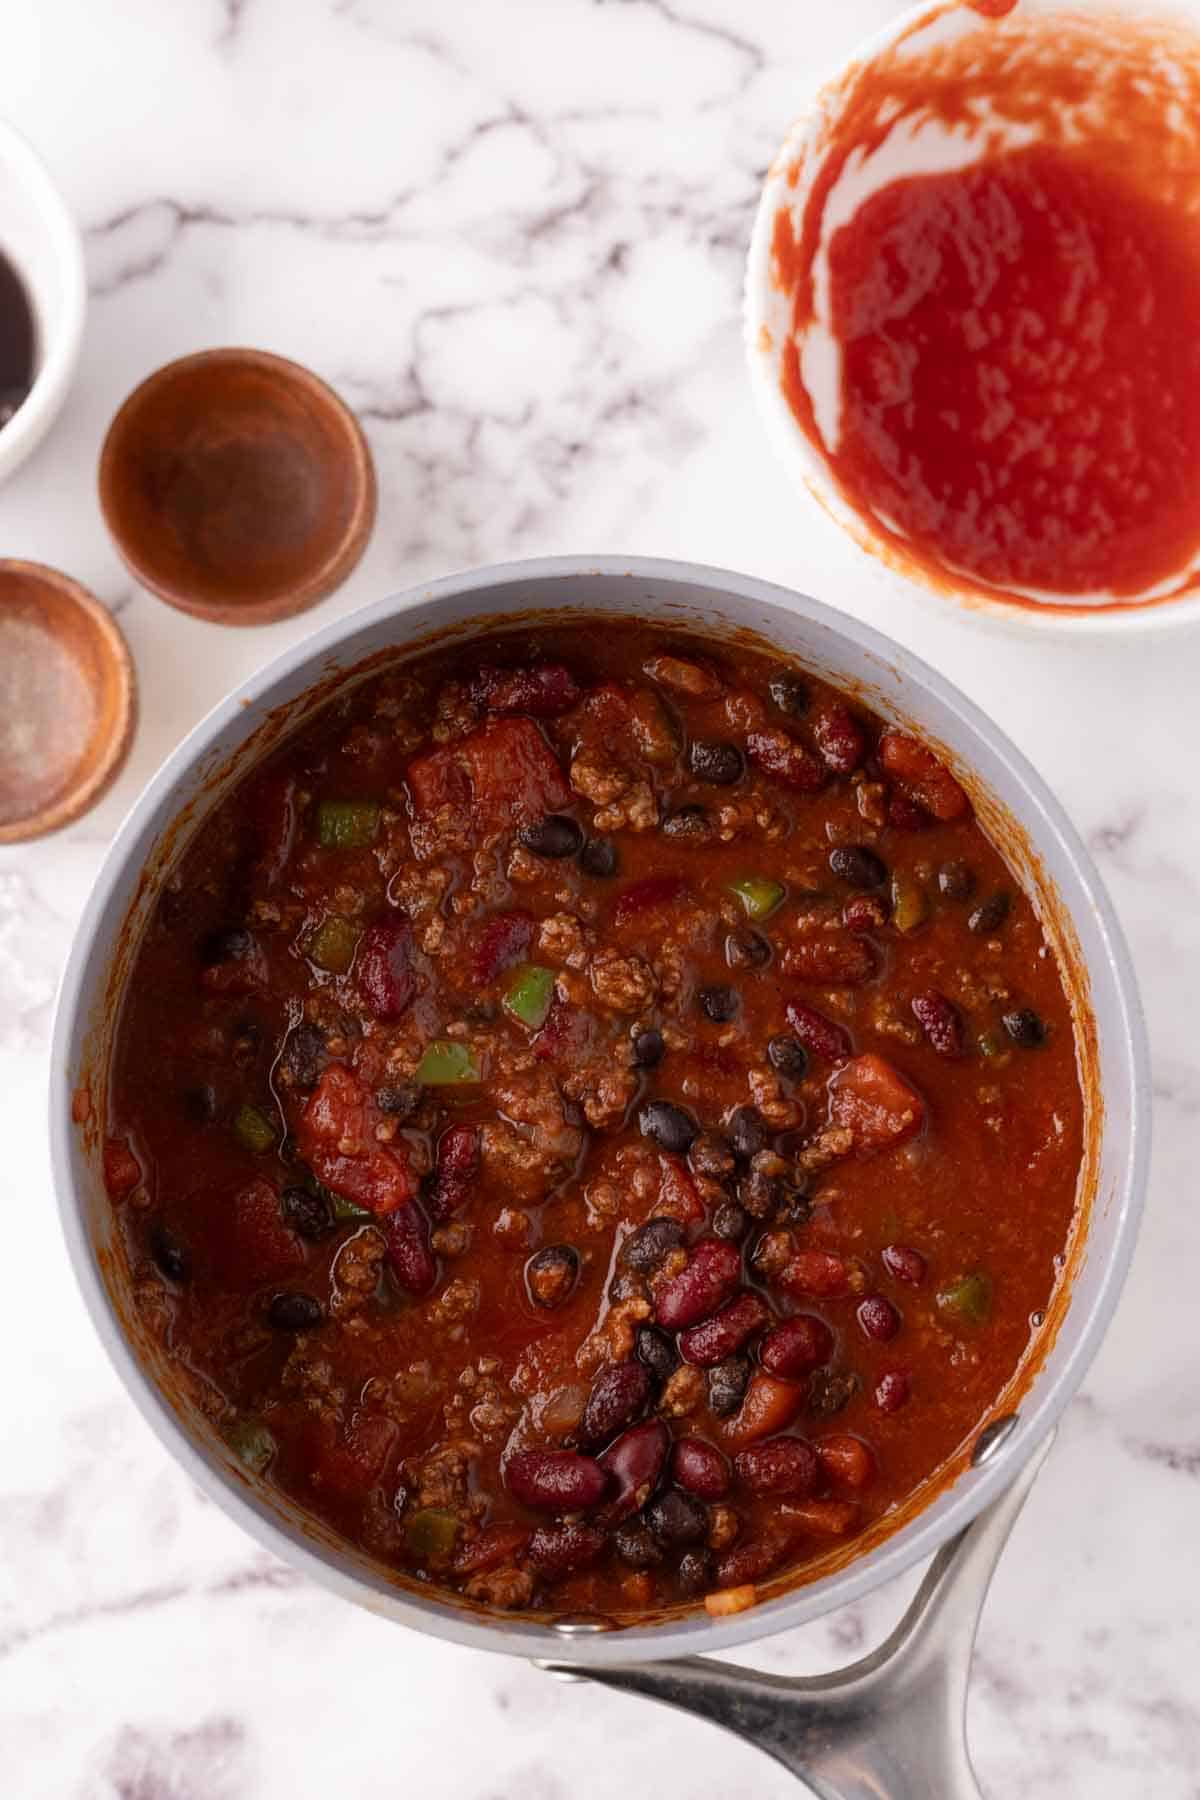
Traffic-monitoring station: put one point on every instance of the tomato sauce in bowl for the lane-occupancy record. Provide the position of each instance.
(983, 280)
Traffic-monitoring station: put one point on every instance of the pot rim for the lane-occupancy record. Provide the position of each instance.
(688, 1634)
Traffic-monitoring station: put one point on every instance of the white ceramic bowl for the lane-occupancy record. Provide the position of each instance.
(766, 313)
(1013, 803)
(41, 240)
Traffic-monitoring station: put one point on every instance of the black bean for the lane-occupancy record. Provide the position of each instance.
(650, 1243)
(551, 1274)
(694, 1575)
(831, 1390)
(676, 1518)
(295, 1312)
(711, 1157)
(637, 1545)
(720, 764)
(790, 695)
(301, 1056)
(399, 1102)
(668, 1126)
(555, 836)
(858, 866)
(727, 1384)
(747, 950)
(229, 944)
(748, 1132)
(787, 1056)
(794, 1208)
(655, 1349)
(691, 823)
(648, 1049)
(956, 880)
(731, 1221)
(720, 1004)
(311, 1214)
(989, 913)
(1025, 1028)
(201, 1104)
(599, 858)
(760, 1194)
(170, 1255)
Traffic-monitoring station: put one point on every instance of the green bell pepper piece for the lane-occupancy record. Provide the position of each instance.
(447, 1063)
(253, 1130)
(758, 894)
(332, 945)
(251, 1443)
(431, 1535)
(528, 994)
(968, 1297)
(910, 904)
(344, 1209)
(347, 824)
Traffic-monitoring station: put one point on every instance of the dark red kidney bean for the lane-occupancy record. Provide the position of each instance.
(780, 1465)
(384, 966)
(556, 1550)
(619, 1392)
(551, 1274)
(818, 1034)
(751, 1560)
(866, 912)
(905, 813)
(456, 1164)
(699, 1468)
(814, 1272)
(840, 739)
(694, 1576)
(796, 1346)
(713, 1271)
(540, 690)
(777, 754)
(650, 1243)
(904, 1264)
(892, 1391)
(940, 1020)
(724, 1334)
(503, 941)
(555, 1480)
(413, 1262)
(858, 866)
(878, 1318)
(633, 1465)
(677, 1519)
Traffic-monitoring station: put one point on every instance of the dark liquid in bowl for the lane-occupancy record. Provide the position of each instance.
(17, 341)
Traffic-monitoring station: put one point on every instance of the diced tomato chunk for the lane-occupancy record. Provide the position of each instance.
(504, 773)
(122, 1171)
(873, 1101)
(678, 1197)
(769, 1405)
(814, 1273)
(336, 1138)
(831, 959)
(260, 1246)
(922, 776)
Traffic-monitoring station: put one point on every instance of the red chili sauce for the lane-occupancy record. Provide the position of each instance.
(1020, 379)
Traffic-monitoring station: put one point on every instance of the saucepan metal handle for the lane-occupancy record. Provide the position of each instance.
(889, 1727)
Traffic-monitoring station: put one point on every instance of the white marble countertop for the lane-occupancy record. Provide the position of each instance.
(512, 235)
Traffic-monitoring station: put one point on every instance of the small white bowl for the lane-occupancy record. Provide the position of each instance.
(41, 240)
(767, 320)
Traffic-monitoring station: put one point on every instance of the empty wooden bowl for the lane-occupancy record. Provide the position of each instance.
(237, 486)
(68, 700)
